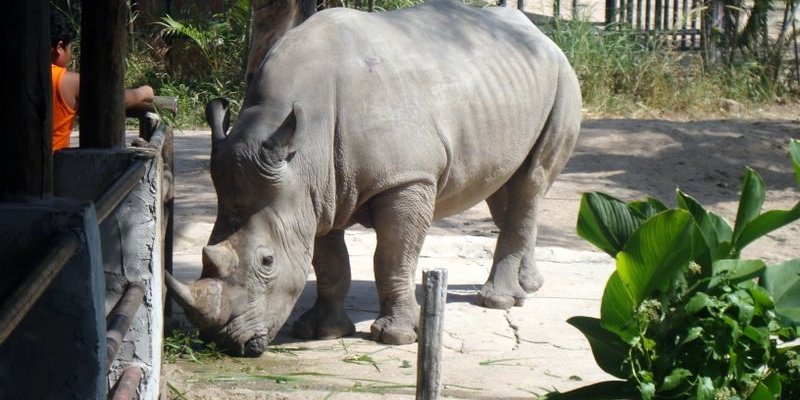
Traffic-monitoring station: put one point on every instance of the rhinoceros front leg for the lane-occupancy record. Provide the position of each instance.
(327, 319)
(401, 219)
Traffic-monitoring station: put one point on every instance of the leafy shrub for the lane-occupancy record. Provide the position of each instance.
(682, 316)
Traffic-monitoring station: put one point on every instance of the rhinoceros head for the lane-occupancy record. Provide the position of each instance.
(259, 253)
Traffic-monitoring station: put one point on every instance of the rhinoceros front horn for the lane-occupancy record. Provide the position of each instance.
(218, 117)
(204, 300)
(182, 292)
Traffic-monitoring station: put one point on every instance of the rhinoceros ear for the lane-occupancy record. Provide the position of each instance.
(281, 146)
(218, 116)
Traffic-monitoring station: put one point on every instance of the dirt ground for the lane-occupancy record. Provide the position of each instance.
(514, 354)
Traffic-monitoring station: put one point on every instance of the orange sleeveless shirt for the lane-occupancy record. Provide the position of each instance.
(63, 115)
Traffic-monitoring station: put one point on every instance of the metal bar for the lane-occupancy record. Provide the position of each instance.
(118, 190)
(684, 27)
(119, 320)
(629, 13)
(658, 15)
(431, 325)
(128, 383)
(639, 15)
(611, 11)
(675, 7)
(693, 23)
(63, 247)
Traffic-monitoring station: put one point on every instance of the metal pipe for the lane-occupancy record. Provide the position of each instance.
(118, 190)
(119, 320)
(64, 246)
(128, 383)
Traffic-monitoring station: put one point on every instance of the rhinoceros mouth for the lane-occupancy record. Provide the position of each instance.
(256, 346)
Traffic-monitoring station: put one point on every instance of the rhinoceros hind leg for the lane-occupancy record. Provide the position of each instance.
(401, 217)
(530, 280)
(327, 319)
(515, 205)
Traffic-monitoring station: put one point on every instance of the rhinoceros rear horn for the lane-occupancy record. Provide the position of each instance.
(219, 260)
(218, 116)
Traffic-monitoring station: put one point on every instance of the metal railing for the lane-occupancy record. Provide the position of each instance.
(64, 245)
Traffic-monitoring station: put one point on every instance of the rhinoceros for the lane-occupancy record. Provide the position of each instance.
(389, 120)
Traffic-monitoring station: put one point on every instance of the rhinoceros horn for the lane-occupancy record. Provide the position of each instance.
(182, 292)
(219, 260)
(218, 117)
(204, 300)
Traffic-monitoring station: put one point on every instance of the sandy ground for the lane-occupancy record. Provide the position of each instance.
(491, 353)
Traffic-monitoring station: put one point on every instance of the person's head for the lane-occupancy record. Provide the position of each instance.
(61, 36)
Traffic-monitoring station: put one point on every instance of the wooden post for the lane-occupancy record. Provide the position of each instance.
(431, 327)
(103, 49)
(26, 161)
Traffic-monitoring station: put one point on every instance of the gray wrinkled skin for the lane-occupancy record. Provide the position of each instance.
(389, 120)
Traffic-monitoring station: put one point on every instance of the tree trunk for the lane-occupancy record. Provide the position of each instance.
(269, 20)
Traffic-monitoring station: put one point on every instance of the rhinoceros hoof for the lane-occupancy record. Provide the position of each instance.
(389, 331)
(490, 298)
(530, 280)
(323, 325)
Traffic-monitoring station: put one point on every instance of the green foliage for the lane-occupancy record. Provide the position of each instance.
(682, 316)
(188, 345)
(622, 72)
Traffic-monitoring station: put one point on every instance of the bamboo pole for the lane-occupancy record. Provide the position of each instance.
(431, 324)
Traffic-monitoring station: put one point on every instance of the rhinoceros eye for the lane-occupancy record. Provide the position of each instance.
(263, 262)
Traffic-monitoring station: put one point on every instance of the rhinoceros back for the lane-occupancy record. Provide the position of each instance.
(441, 91)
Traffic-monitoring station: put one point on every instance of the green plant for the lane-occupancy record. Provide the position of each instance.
(188, 345)
(682, 316)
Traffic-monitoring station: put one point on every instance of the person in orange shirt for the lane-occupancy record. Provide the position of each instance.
(66, 84)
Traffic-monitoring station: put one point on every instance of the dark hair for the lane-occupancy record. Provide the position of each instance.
(61, 29)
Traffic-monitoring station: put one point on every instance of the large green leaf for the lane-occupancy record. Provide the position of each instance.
(735, 271)
(750, 202)
(794, 152)
(608, 390)
(608, 349)
(766, 223)
(782, 281)
(617, 308)
(606, 222)
(715, 230)
(649, 207)
(657, 251)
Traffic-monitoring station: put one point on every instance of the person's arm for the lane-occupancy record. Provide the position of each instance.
(70, 88)
(141, 97)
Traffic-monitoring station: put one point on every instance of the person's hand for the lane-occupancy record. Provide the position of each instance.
(146, 94)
